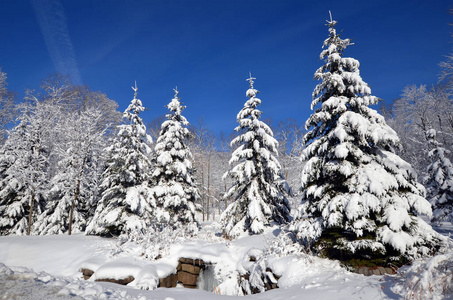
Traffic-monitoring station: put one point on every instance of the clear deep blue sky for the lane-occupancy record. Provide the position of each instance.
(207, 49)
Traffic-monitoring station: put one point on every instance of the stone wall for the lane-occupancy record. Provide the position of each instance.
(368, 271)
(87, 273)
(187, 273)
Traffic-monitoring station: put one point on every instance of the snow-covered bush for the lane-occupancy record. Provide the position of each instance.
(284, 244)
(258, 274)
(155, 241)
(307, 231)
(259, 190)
(427, 278)
(256, 277)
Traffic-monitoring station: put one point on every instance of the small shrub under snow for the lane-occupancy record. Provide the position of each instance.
(154, 242)
(428, 278)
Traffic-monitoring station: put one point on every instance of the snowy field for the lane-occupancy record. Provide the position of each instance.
(48, 267)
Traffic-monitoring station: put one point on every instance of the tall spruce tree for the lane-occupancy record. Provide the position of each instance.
(174, 189)
(439, 180)
(361, 198)
(259, 188)
(126, 202)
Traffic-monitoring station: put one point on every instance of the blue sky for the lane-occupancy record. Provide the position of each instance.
(207, 49)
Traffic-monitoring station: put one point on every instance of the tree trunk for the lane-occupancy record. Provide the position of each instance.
(218, 206)
(30, 214)
(286, 171)
(202, 196)
(71, 213)
(441, 130)
(209, 192)
(226, 200)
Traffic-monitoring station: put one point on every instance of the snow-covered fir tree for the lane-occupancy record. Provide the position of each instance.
(359, 199)
(259, 189)
(174, 188)
(72, 187)
(126, 203)
(439, 181)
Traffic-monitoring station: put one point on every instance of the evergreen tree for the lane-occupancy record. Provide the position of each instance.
(173, 186)
(440, 180)
(258, 185)
(126, 203)
(361, 198)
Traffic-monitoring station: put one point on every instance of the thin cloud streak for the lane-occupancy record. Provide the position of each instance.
(52, 21)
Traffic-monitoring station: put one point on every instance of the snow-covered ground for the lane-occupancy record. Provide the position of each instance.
(48, 267)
